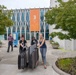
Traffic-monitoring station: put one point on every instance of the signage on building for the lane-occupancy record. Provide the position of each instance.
(34, 20)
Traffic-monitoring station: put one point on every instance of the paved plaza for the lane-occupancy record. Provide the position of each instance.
(8, 63)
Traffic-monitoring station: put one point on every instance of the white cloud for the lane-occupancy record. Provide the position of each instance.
(16, 4)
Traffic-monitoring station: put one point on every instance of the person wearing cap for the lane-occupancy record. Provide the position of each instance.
(33, 41)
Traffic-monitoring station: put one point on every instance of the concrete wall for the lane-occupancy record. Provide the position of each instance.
(1, 37)
(66, 44)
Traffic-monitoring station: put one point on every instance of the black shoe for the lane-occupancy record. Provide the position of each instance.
(26, 65)
(8, 51)
(11, 50)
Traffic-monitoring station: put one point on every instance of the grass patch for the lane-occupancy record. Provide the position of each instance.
(67, 65)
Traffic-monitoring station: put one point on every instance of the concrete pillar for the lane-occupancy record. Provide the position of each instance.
(20, 15)
(16, 20)
(49, 32)
(44, 24)
(73, 48)
(25, 32)
(20, 18)
(35, 34)
(7, 33)
(16, 16)
(20, 31)
(11, 30)
(30, 37)
(3, 37)
(25, 24)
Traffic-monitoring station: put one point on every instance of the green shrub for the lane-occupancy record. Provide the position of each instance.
(0, 42)
(51, 41)
(67, 65)
(55, 43)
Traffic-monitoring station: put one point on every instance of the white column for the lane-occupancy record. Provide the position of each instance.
(25, 32)
(49, 32)
(3, 37)
(35, 34)
(16, 21)
(20, 31)
(44, 24)
(16, 16)
(7, 32)
(30, 31)
(20, 15)
(25, 24)
(30, 37)
(16, 29)
(73, 44)
(11, 30)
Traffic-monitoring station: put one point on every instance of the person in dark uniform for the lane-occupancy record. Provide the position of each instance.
(22, 48)
(22, 43)
(34, 41)
(10, 42)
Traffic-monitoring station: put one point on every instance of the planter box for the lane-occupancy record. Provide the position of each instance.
(0, 45)
(55, 46)
(60, 72)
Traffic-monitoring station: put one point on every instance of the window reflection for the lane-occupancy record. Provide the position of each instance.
(42, 14)
(18, 16)
(13, 17)
(14, 29)
(22, 17)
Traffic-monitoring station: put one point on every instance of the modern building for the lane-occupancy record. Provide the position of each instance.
(21, 18)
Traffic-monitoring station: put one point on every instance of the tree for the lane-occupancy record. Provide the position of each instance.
(64, 18)
(5, 19)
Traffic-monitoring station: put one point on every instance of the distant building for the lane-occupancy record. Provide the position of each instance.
(53, 3)
(21, 18)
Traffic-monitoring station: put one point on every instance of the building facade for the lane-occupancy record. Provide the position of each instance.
(21, 18)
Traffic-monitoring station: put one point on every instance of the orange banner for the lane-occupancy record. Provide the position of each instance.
(34, 20)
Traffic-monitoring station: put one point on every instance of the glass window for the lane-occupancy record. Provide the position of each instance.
(47, 27)
(27, 16)
(5, 36)
(27, 28)
(46, 10)
(42, 15)
(47, 31)
(18, 29)
(42, 27)
(23, 30)
(18, 35)
(13, 17)
(9, 30)
(18, 17)
(27, 35)
(14, 29)
(22, 17)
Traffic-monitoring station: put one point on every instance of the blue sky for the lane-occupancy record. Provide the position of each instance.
(17, 4)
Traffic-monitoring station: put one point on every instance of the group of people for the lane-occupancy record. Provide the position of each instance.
(41, 44)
